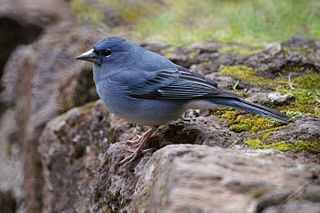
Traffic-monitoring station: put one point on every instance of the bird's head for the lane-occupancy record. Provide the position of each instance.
(109, 50)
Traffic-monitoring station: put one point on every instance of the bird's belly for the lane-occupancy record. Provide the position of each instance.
(142, 111)
(146, 111)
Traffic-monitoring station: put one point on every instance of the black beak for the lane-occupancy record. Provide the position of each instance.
(90, 55)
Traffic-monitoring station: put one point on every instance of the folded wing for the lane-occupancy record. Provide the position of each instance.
(176, 83)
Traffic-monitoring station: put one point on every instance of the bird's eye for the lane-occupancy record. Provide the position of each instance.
(105, 52)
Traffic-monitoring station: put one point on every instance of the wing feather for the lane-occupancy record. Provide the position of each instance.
(175, 83)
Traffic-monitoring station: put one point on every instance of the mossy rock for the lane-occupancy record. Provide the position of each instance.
(310, 146)
(300, 135)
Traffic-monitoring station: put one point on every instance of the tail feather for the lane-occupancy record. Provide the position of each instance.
(251, 107)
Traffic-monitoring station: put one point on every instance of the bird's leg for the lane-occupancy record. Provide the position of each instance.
(137, 140)
(142, 141)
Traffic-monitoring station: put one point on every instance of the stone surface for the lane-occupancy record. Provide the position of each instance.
(271, 98)
(81, 151)
(293, 53)
(302, 129)
(41, 80)
(193, 178)
(8, 202)
(73, 144)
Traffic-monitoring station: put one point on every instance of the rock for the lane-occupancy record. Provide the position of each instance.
(202, 57)
(295, 206)
(181, 56)
(300, 135)
(290, 55)
(14, 33)
(82, 170)
(78, 142)
(308, 47)
(271, 98)
(278, 98)
(205, 47)
(195, 129)
(42, 13)
(41, 81)
(22, 22)
(73, 144)
(11, 175)
(7, 202)
(302, 129)
(223, 81)
(193, 178)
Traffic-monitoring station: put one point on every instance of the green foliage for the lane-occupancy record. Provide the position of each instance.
(180, 22)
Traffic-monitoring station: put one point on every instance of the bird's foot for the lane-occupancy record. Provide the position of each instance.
(135, 141)
(140, 137)
(131, 157)
(140, 142)
(134, 155)
(142, 151)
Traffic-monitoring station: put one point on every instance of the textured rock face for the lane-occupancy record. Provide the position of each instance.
(288, 55)
(75, 148)
(74, 144)
(82, 171)
(193, 178)
(41, 81)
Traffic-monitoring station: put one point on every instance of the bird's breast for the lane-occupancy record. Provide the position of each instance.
(142, 111)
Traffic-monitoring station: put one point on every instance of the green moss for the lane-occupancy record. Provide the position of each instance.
(308, 81)
(239, 121)
(311, 146)
(306, 89)
(250, 75)
(243, 126)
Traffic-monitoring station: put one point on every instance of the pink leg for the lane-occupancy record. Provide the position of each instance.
(141, 141)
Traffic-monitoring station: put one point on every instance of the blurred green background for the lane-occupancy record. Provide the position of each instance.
(181, 22)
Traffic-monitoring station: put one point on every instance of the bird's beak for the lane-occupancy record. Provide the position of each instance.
(90, 55)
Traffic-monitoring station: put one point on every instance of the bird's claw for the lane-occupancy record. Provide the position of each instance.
(135, 154)
(131, 157)
(135, 141)
(142, 151)
(139, 150)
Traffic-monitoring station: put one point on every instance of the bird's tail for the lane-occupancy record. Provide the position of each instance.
(251, 107)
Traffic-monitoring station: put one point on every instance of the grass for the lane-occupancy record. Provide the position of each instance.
(181, 22)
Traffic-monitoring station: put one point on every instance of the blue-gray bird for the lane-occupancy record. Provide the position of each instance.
(148, 89)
